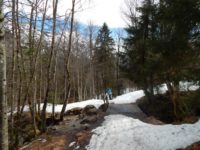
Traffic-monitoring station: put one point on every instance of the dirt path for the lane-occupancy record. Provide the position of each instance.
(70, 134)
(131, 110)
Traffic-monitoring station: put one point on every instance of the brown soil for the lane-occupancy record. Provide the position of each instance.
(68, 135)
(48, 142)
(195, 146)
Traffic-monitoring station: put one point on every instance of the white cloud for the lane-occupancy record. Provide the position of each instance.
(97, 11)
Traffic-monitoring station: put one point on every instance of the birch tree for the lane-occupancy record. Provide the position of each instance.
(3, 102)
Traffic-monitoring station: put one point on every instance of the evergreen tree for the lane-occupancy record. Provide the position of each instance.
(139, 59)
(104, 58)
(162, 46)
(179, 20)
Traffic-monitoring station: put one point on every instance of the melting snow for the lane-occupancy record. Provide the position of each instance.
(119, 132)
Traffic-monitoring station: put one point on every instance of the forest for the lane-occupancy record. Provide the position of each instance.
(48, 58)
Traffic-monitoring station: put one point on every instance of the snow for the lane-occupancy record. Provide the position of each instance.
(123, 99)
(185, 86)
(58, 107)
(131, 97)
(120, 132)
(72, 144)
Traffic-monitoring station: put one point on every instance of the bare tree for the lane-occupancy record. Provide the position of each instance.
(91, 30)
(3, 102)
(67, 75)
(119, 36)
(55, 3)
(13, 70)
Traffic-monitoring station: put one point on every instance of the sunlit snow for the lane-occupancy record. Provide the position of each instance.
(120, 132)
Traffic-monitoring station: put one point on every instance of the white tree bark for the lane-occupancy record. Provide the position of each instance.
(3, 100)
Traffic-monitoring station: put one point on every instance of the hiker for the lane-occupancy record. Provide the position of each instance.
(109, 93)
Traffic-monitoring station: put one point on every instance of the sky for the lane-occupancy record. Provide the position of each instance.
(97, 12)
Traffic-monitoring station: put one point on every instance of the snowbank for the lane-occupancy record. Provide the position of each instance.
(58, 108)
(119, 132)
(123, 99)
(128, 98)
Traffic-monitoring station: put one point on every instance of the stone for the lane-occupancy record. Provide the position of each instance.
(153, 120)
(82, 137)
(89, 119)
(89, 110)
(104, 107)
(74, 111)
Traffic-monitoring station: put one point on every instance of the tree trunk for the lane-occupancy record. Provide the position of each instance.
(55, 3)
(13, 74)
(3, 106)
(3, 102)
(55, 90)
(67, 74)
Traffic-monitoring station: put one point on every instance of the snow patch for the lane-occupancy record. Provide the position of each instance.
(128, 98)
(72, 144)
(119, 132)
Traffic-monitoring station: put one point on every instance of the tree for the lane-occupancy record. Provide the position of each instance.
(67, 74)
(157, 38)
(104, 59)
(176, 38)
(55, 4)
(139, 59)
(3, 93)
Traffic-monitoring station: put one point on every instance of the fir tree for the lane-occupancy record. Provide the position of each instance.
(104, 58)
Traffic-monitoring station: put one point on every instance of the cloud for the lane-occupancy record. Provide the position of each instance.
(97, 11)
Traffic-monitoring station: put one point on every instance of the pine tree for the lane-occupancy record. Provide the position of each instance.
(179, 21)
(104, 58)
(139, 60)
(162, 46)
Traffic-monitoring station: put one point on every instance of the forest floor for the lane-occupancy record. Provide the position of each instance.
(70, 134)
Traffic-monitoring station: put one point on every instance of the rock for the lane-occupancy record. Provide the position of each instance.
(194, 146)
(104, 107)
(83, 137)
(61, 123)
(100, 115)
(153, 120)
(42, 140)
(86, 126)
(37, 132)
(74, 111)
(49, 121)
(89, 119)
(81, 116)
(90, 110)
(191, 119)
(53, 128)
